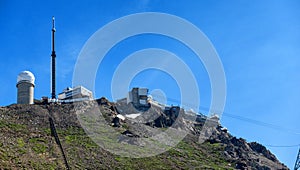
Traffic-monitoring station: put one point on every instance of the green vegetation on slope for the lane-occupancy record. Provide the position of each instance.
(26, 143)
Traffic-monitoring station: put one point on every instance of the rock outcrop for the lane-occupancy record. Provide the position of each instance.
(26, 141)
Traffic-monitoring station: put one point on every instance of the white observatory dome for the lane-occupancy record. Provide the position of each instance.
(26, 76)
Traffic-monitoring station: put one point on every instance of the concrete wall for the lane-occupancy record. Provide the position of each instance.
(143, 91)
(135, 96)
(25, 93)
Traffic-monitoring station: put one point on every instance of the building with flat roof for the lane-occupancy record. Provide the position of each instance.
(78, 92)
(138, 97)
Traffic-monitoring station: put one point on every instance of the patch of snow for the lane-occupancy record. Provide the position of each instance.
(133, 116)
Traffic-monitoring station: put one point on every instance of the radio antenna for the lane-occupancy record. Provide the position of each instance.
(53, 55)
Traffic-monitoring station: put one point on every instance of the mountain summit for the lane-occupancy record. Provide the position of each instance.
(56, 136)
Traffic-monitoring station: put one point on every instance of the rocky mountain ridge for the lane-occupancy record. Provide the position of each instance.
(27, 141)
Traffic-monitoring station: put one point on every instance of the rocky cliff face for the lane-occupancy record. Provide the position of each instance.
(27, 141)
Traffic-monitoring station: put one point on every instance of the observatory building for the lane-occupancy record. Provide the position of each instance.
(78, 92)
(138, 97)
(25, 86)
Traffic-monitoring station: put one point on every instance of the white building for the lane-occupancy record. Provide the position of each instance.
(78, 92)
(25, 85)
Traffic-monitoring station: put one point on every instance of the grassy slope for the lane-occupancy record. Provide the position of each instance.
(26, 143)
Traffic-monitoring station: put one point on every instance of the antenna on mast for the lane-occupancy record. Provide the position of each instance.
(53, 55)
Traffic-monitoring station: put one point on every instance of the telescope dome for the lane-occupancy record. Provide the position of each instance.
(26, 76)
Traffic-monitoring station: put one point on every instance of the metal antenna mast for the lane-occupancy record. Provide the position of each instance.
(297, 164)
(53, 55)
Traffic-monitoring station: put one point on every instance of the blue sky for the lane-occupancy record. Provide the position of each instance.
(257, 42)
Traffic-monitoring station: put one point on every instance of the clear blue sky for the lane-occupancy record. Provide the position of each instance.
(257, 41)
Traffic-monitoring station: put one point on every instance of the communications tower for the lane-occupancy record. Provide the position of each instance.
(53, 56)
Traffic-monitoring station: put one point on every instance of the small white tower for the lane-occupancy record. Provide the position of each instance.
(25, 85)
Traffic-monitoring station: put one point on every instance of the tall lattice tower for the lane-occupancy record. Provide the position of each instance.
(297, 164)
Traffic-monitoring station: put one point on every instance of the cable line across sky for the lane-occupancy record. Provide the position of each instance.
(237, 117)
